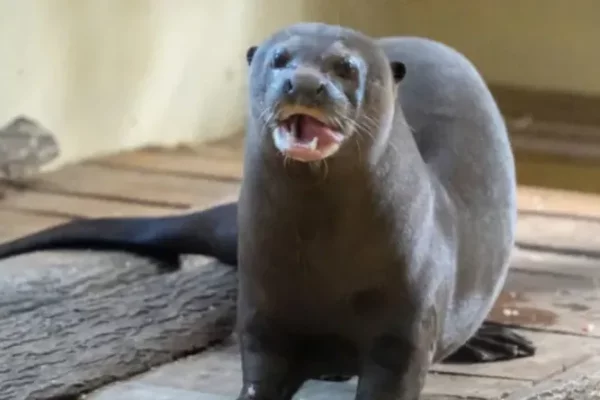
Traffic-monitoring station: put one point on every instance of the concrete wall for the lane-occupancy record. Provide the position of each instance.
(106, 75)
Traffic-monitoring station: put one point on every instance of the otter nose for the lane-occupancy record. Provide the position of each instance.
(304, 84)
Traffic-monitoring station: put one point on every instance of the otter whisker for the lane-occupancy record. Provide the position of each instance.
(269, 115)
(366, 126)
(325, 169)
(358, 149)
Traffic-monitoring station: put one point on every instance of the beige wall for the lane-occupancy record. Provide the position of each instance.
(552, 44)
(111, 74)
(105, 75)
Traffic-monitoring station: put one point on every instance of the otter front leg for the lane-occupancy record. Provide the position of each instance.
(269, 369)
(394, 369)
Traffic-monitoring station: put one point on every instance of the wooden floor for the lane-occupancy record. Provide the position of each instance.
(552, 292)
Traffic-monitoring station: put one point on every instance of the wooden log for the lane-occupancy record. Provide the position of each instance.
(72, 321)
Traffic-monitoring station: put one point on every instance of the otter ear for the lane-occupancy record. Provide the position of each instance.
(250, 53)
(398, 70)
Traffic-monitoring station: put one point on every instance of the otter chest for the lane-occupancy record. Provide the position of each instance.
(326, 282)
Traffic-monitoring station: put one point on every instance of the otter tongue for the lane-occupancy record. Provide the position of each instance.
(308, 128)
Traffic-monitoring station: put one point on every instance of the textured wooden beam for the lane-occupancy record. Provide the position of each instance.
(71, 322)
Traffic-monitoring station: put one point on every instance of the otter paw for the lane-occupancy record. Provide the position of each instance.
(492, 342)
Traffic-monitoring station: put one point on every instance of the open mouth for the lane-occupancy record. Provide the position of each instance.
(305, 136)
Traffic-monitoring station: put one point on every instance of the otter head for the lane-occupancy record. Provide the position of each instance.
(313, 87)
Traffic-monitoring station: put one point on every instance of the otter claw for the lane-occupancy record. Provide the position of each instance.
(492, 342)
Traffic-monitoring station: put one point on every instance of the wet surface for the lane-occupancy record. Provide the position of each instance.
(512, 308)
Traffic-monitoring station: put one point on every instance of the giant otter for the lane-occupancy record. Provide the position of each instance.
(375, 222)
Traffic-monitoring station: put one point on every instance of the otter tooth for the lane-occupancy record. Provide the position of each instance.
(281, 139)
(313, 143)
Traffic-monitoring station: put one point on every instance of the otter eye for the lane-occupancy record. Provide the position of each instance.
(345, 69)
(280, 59)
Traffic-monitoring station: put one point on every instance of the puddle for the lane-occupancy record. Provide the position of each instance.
(510, 309)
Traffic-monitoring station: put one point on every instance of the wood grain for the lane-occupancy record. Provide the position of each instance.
(72, 322)
(180, 163)
(134, 186)
(556, 201)
(547, 105)
(16, 224)
(75, 206)
(579, 383)
(560, 234)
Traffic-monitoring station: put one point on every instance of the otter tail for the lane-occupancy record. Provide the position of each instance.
(211, 232)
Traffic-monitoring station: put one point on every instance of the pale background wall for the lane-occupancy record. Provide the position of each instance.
(105, 75)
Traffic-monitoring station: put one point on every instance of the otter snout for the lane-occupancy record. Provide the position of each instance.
(309, 123)
(305, 87)
(304, 84)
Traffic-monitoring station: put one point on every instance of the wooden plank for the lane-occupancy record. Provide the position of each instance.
(233, 142)
(562, 311)
(16, 224)
(557, 201)
(439, 386)
(562, 234)
(566, 176)
(135, 186)
(74, 206)
(174, 162)
(554, 263)
(579, 383)
(555, 353)
(139, 391)
(554, 141)
(229, 148)
(561, 151)
(143, 391)
(217, 372)
(547, 105)
(549, 302)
